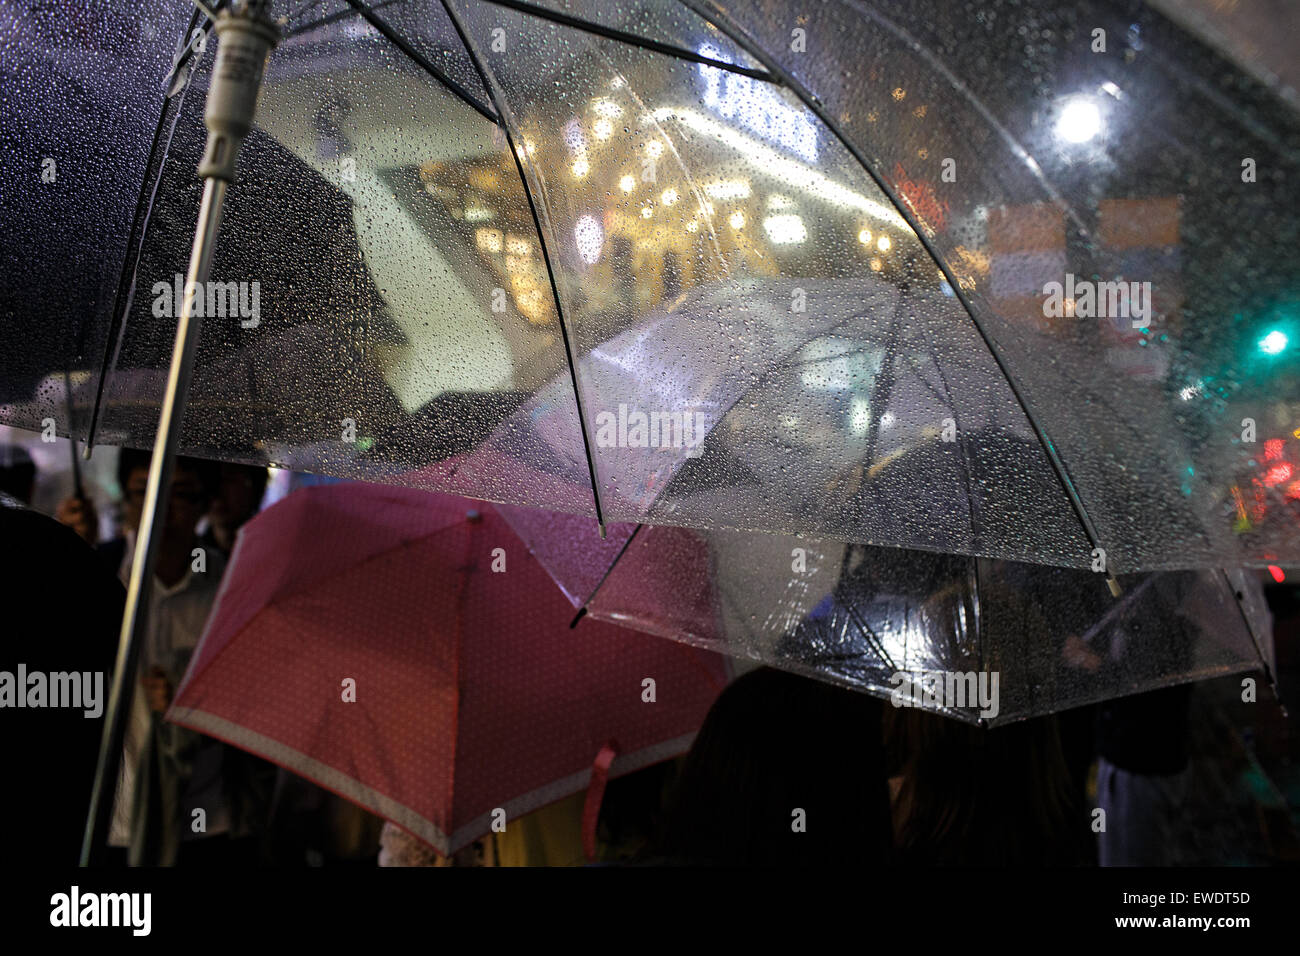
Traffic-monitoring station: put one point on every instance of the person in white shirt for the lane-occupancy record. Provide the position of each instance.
(168, 771)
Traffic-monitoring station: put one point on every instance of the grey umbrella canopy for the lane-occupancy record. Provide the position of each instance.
(833, 234)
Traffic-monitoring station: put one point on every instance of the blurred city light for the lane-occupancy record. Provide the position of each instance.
(1273, 343)
(728, 189)
(785, 229)
(589, 237)
(1080, 120)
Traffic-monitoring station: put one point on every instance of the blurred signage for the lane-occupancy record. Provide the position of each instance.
(758, 107)
(920, 197)
(1140, 241)
(1026, 246)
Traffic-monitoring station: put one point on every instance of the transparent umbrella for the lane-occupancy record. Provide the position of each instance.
(1026, 264)
(976, 639)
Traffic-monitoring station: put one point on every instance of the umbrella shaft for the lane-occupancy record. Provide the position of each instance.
(149, 536)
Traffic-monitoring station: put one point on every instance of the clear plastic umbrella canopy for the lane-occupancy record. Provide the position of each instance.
(977, 278)
(975, 639)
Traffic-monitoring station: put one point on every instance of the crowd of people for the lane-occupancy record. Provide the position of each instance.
(870, 783)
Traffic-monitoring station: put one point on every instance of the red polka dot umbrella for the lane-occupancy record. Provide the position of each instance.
(405, 650)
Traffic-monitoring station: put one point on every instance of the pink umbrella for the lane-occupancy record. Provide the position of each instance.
(405, 650)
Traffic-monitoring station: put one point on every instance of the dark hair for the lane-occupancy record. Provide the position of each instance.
(774, 743)
(257, 475)
(17, 472)
(128, 460)
(133, 459)
(972, 796)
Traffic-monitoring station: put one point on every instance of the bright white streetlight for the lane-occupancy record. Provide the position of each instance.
(1079, 121)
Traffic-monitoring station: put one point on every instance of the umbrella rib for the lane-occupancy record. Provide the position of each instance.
(972, 504)
(582, 611)
(481, 69)
(1114, 609)
(882, 384)
(873, 639)
(190, 50)
(977, 611)
(422, 61)
(780, 365)
(1250, 629)
(135, 244)
(724, 23)
(205, 9)
(977, 104)
(302, 11)
(327, 20)
(633, 39)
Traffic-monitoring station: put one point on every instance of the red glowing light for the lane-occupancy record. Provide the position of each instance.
(1279, 473)
(1277, 573)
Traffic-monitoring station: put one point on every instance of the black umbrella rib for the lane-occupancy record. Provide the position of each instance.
(582, 611)
(737, 36)
(481, 69)
(1250, 630)
(622, 36)
(302, 11)
(423, 62)
(977, 104)
(327, 20)
(873, 639)
(144, 200)
(135, 243)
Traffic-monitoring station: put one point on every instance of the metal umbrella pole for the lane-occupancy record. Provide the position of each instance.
(246, 35)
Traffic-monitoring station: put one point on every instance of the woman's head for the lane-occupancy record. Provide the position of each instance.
(785, 771)
(974, 796)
